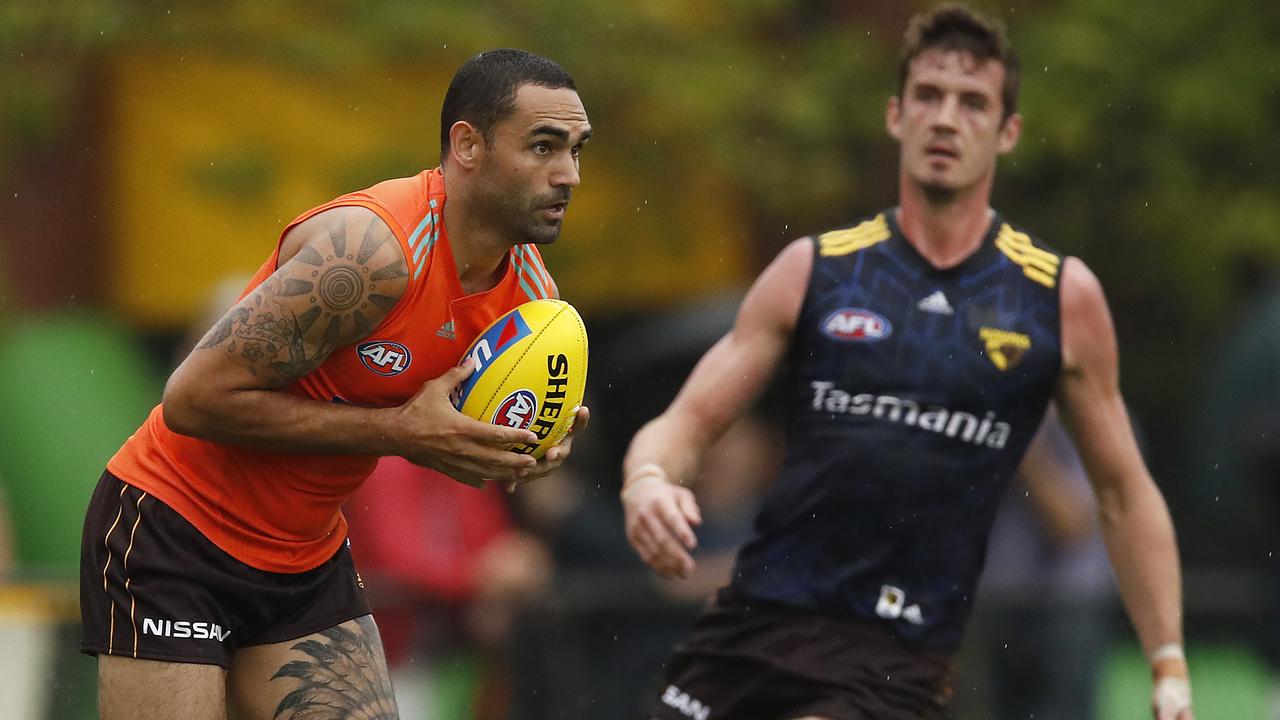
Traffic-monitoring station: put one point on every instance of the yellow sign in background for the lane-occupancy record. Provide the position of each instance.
(211, 157)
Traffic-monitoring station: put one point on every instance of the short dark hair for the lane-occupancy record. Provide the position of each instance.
(483, 91)
(957, 27)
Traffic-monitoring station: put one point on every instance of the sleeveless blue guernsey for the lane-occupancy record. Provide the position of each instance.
(912, 394)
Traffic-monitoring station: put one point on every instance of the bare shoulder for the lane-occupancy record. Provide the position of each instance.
(349, 231)
(340, 274)
(1087, 331)
(796, 259)
(775, 299)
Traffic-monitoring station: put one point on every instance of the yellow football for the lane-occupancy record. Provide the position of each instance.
(531, 372)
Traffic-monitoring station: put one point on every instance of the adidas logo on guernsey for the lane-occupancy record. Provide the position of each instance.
(936, 303)
(446, 331)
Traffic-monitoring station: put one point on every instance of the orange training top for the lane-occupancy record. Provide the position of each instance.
(281, 513)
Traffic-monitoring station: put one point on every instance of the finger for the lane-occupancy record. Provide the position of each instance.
(645, 539)
(491, 434)
(649, 532)
(464, 369)
(537, 472)
(505, 461)
(689, 506)
(633, 537)
(559, 452)
(583, 416)
(488, 473)
(665, 564)
(669, 549)
(677, 568)
(468, 479)
(459, 372)
(644, 546)
(677, 524)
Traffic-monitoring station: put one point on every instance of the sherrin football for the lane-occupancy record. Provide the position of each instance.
(531, 372)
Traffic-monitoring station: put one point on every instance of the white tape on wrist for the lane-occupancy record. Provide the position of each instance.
(1168, 651)
(1171, 696)
(643, 475)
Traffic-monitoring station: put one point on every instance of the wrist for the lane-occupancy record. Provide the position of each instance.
(1168, 660)
(643, 475)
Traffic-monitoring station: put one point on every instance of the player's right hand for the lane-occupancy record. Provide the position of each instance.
(660, 517)
(435, 435)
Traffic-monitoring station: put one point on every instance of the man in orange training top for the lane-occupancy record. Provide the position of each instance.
(215, 573)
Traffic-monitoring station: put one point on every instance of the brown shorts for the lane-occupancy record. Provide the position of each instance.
(760, 662)
(153, 587)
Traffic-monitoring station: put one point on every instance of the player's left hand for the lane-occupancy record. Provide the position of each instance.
(1171, 690)
(555, 455)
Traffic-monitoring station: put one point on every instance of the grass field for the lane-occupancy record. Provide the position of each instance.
(1228, 684)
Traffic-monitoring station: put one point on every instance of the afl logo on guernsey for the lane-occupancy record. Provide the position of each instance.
(517, 410)
(384, 357)
(856, 325)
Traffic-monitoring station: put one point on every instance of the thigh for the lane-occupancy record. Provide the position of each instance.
(339, 672)
(130, 689)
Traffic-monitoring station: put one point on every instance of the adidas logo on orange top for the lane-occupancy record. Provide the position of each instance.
(446, 331)
(936, 303)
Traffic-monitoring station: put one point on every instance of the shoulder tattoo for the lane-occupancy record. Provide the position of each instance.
(332, 293)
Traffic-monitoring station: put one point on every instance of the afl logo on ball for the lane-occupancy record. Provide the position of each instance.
(856, 325)
(517, 410)
(384, 357)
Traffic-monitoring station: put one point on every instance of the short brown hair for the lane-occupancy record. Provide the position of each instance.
(956, 27)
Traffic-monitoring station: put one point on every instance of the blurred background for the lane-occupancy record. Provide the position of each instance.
(151, 152)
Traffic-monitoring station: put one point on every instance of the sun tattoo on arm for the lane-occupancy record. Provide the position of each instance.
(343, 676)
(331, 294)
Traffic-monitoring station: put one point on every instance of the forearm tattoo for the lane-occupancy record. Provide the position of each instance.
(346, 295)
(344, 676)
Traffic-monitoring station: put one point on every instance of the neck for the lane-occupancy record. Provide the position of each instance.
(479, 250)
(944, 229)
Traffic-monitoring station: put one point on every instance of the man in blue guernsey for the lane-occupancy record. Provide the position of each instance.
(922, 346)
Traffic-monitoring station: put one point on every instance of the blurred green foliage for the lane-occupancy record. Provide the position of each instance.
(1149, 140)
(74, 387)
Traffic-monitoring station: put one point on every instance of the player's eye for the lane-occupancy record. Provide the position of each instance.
(542, 148)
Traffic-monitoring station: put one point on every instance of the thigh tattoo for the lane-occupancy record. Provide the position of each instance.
(344, 676)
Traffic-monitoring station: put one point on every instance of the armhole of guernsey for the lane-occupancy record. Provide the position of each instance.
(416, 247)
(531, 274)
(845, 241)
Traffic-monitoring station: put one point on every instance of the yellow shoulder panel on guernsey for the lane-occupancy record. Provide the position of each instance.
(1038, 264)
(861, 236)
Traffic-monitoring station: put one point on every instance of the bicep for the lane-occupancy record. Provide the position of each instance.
(736, 369)
(343, 274)
(1089, 398)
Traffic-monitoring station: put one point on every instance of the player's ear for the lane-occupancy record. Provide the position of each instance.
(466, 144)
(893, 118)
(1010, 131)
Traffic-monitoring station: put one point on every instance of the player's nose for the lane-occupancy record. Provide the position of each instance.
(947, 112)
(566, 172)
